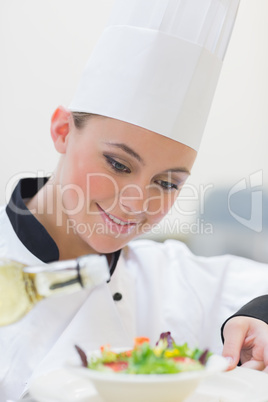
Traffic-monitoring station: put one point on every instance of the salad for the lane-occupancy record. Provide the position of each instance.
(166, 357)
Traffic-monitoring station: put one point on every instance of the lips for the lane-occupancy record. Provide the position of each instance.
(116, 220)
(119, 222)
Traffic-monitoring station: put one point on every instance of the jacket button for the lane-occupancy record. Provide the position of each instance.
(117, 296)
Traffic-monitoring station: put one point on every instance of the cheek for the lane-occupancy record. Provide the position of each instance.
(73, 183)
(100, 187)
(84, 189)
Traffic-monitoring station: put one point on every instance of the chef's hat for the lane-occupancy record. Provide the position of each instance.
(157, 64)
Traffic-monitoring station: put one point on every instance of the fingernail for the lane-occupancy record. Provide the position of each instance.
(230, 361)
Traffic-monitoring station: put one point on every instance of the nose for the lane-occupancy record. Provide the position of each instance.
(132, 199)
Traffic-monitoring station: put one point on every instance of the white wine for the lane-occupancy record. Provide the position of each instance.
(17, 295)
(21, 287)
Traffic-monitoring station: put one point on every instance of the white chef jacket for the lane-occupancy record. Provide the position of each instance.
(164, 287)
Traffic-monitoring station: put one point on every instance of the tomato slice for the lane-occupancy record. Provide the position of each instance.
(117, 366)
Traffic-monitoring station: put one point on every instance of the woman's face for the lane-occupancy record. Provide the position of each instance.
(117, 180)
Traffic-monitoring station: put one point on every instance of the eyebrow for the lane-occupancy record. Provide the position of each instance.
(131, 152)
(128, 150)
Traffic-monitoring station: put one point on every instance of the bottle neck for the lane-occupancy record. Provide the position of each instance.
(69, 276)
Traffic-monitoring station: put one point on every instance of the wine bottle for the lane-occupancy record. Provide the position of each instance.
(21, 287)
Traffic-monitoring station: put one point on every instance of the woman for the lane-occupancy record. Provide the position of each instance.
(113, 182)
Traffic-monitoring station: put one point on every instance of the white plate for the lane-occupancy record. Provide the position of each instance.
(239, 385)
(120, 387)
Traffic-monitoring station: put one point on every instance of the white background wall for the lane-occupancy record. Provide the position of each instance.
(44, 47)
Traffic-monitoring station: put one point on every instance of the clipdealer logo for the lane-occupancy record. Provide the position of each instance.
(254, 222)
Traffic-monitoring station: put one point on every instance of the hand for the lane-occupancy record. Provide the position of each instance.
(246, 339)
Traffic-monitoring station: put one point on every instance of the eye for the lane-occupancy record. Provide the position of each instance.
(166, 185)
(117, 166)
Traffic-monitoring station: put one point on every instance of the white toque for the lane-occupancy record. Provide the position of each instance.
(157, 64)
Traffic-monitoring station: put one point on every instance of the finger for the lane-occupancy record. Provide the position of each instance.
(265, 358)
(254, 364)
(234, 335)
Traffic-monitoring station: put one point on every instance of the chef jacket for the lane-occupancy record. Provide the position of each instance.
(156, 287)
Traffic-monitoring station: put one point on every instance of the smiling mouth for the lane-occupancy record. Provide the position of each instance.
(117, 220)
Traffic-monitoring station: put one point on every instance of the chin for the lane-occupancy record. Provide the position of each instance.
(106, 244)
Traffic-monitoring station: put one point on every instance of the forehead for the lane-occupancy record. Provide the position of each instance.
(144, 142)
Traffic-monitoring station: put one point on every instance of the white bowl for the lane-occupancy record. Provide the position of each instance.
(119, 387)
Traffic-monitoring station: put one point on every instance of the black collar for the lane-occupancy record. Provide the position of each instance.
(28, 229)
